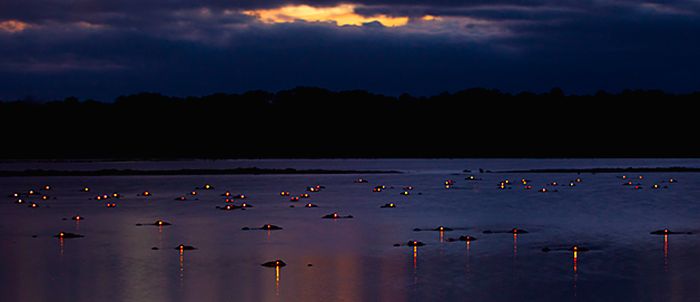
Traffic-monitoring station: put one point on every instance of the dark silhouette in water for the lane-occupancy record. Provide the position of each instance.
(265, 227)
(511, 231)
(336, 216)
(183, 247)
(437, 229)
(466, 238)
(668, 232)
(276, 263)
(571, 248)
(156, 223)
(66, 235)
(154, 126)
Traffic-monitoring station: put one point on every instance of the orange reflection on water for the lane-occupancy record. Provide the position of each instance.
(182, 265)
(666, 252)
(575, 261)
(277, 280)
(415, 265)
(415, 257)
(60, 246)
(469, 244)
(515, 244)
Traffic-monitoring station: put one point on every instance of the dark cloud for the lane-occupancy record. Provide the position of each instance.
(106, 48)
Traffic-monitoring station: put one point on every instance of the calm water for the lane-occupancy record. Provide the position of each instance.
(353, 259)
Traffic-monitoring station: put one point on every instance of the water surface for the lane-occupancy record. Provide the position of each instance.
(354, 259)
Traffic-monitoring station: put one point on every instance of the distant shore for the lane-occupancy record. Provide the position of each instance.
(132, 172)
(607, 170)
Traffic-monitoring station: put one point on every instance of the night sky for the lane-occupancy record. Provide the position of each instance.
(102, 49)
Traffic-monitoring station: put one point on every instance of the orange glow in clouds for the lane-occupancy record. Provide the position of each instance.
(342, 14)
(13, 26)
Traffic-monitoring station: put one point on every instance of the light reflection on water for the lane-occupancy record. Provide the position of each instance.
(352, 259)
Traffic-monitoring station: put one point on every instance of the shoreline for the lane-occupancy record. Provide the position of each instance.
(606, 170)
(236, 171)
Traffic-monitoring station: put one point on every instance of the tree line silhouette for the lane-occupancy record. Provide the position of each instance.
(314, 122)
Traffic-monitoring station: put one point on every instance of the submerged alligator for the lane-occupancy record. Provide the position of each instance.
(265, 227)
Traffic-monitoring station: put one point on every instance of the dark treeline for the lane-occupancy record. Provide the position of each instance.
(313, 122)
